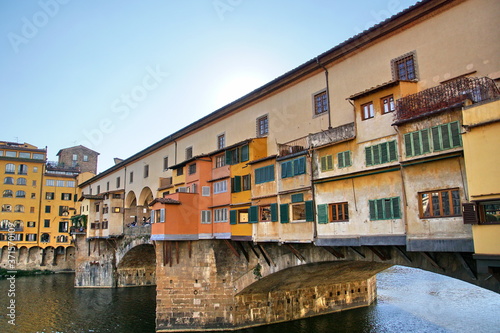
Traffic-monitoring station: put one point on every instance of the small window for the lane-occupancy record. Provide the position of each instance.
(38, 156)
(8, 194)
(192, 169)
(220, 187)
(265, 213)
(35, 169)
(60, 183)
(339, 212)
(8, 180)
(146, 171)
(107, 186)
(117, 210)
(70, 183)
(65, 196)
(165, 163)
(24, 155)
(299, 212)
(21, 181)
(344, 159)
(262, 126)
(489, 212)
(49, 195)
(19, 209)
(206, 216)
(180, 171)
(10, 168)
(46, 223)
(205, 191)
(321, 103)
(440, 203)
(220, 161)
(326, 163)
(387, 104)
(131, 177)
(85, 158)
(384, 209)
(220, 215)
(264, 174)
(189, 153)
(6, 208)
(75, 157)
(20, 194)
(11, 153)
(404, 67)
(382, 153)
(117, 182)
(221, 141)
(246, 180)
(367, 111)
(31, 224)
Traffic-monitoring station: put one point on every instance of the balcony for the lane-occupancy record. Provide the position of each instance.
(61, 168)
(445, 96)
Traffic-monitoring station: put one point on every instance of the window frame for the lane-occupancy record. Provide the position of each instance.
(262, 124)
(221, 141)
(455, 210)
(320, 102)
(370, 109)
(409, 75)
(390, 104)
(335, 206)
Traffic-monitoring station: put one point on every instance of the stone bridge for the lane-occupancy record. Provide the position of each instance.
(222, 284)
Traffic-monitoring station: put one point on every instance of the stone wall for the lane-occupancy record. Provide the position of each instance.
(37, 258)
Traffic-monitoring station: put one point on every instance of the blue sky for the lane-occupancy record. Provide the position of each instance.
(117, 76)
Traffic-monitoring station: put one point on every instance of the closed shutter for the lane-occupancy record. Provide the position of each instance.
(469, 213)
(376, 154)
(309, 211)
(323, 213)
(162, 215)
(153, 216)
(254, 214)
(373, 210)
(284, 213)
(299, 197)
(408, 144)
(436, 140)
(233, 214)
(237, 184)
(229, 157)
(323, 164)
(384, 154)
(368, 156)
(340, 158)
(245, 153)
(425, 141)
(416, 143)
(393, 152)
(299, 165)
(455, 134)
(274, 212)
(396, 211)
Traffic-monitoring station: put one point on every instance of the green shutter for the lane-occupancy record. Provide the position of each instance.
(233, 216)
(323, 213)
(376, 154)
(237, 184)
(299, 197)
(253, 213)
(425, 141)
(408, 144)
(284, 169)
(309, 211)
(323, 164)
(300, 165)
(229, 157)
(436, 140)
(395, 208)
(340, 158)
(284, 212)
(393, 151)
(416, 143)
(245, 156)
(384, 154)
(455, 134)
(380, 209)
(373, 210)
(274, 212)
(388, 209)
(445, 135)
(368, 155)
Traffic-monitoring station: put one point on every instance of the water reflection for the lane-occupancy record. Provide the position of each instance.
(410, 300)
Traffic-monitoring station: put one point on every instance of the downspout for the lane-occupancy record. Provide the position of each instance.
(327, 93)
(403, 186)
(313, 193)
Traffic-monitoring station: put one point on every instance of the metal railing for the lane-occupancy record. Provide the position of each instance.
(444, 96)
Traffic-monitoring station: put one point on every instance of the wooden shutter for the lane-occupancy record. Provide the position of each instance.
(376, 154)
(229, 157)
(408, 144)
(416, 143)
(162, 215)
(244, 153)
(254, 214)
(153, 216)
(299, 165)
(368, 156)
(340, 158)
(384, 153)
(233, 216)
(373, 210)
(455, 134)
(284, 213)
(309, 211)
(299, 197)
(469, 213)
(393, 152)
(236, 184)
(396, 211)
(274, 212)
(323, 213)
(425, 141)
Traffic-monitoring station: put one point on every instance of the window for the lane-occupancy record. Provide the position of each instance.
(417, 143)
(238, 216)
(344, 159)
(33, 183)
(264, 174)
(60, 183)
(63, 226)
(21, 181)
(320, 103)
(294, 167)
(85, 158)
(104, 224)
(189, 153)
(387, 104)
(31, 237)
(381, 153)
(206, 216)
(326, 163)
(180, 171)
(10, 168)
(439, 203)
(8, 180)
(47, 209)
(63, 210)
(192, 169)
(98, 189)
(384, 209)
(24, 155)
(246, 182)
(75, 157)
(65, 196)
(205, 191)
(236, 184)
(221, 141)
(50, 182)
(299, 212)
(117, 182)
(220, 187)
(35, 169)
(237, 155)
(146, 171)
(117, 209)
(31, 224)
(46, 223)
(339, 212)
(22, 169)
(38, 156)
(220, 161)
(7, 194)
(367, 111)
(33, 195)
(32, 209)
(262, 126)
(6, 208)
(489, 212)
(20, 194)
(404, 67)
(265, 213)
(158, 215)
(220, 215)
(19, 209)
(107, 187)
(62, 239)
(446, 136)
(165, 163)
(131, 177)
(10, 154)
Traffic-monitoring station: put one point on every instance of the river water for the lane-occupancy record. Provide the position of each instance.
(409, 300)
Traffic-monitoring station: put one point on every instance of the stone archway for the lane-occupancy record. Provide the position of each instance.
(137, 267)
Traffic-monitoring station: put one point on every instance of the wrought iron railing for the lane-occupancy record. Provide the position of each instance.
(444, 96)
(293, 147)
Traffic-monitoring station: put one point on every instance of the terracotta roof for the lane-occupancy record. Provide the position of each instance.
(91, 197)
(165, 201)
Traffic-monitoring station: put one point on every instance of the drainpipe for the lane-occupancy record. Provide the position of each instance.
(327, 93)
(403, 185)
(313, 193)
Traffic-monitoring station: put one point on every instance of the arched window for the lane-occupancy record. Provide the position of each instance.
(19, 209)
(18, 225)
(8, 180)
(62, 239)
(6, 208)
(7, 194)
(21, 181)
(22, 169)
(4, 224)
(20, 194)
(10, 168)
(45, 238)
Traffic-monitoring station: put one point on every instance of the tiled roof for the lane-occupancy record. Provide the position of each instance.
(165, 201)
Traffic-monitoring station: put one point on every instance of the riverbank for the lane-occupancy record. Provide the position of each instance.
(5, 273)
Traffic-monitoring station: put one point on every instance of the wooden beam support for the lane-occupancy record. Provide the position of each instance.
(337, 254)
(466, 266)
(432, 261)
(190, 248)
(242, 248)
(170, 254)
(295, 252)
(177, 252)
(266, 255)
(358, 252)
(165, 253)
(379, 253)
(231, 247)
(403, 254)
(253, 249)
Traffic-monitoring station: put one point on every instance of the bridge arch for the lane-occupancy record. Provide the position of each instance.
(137, 266)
